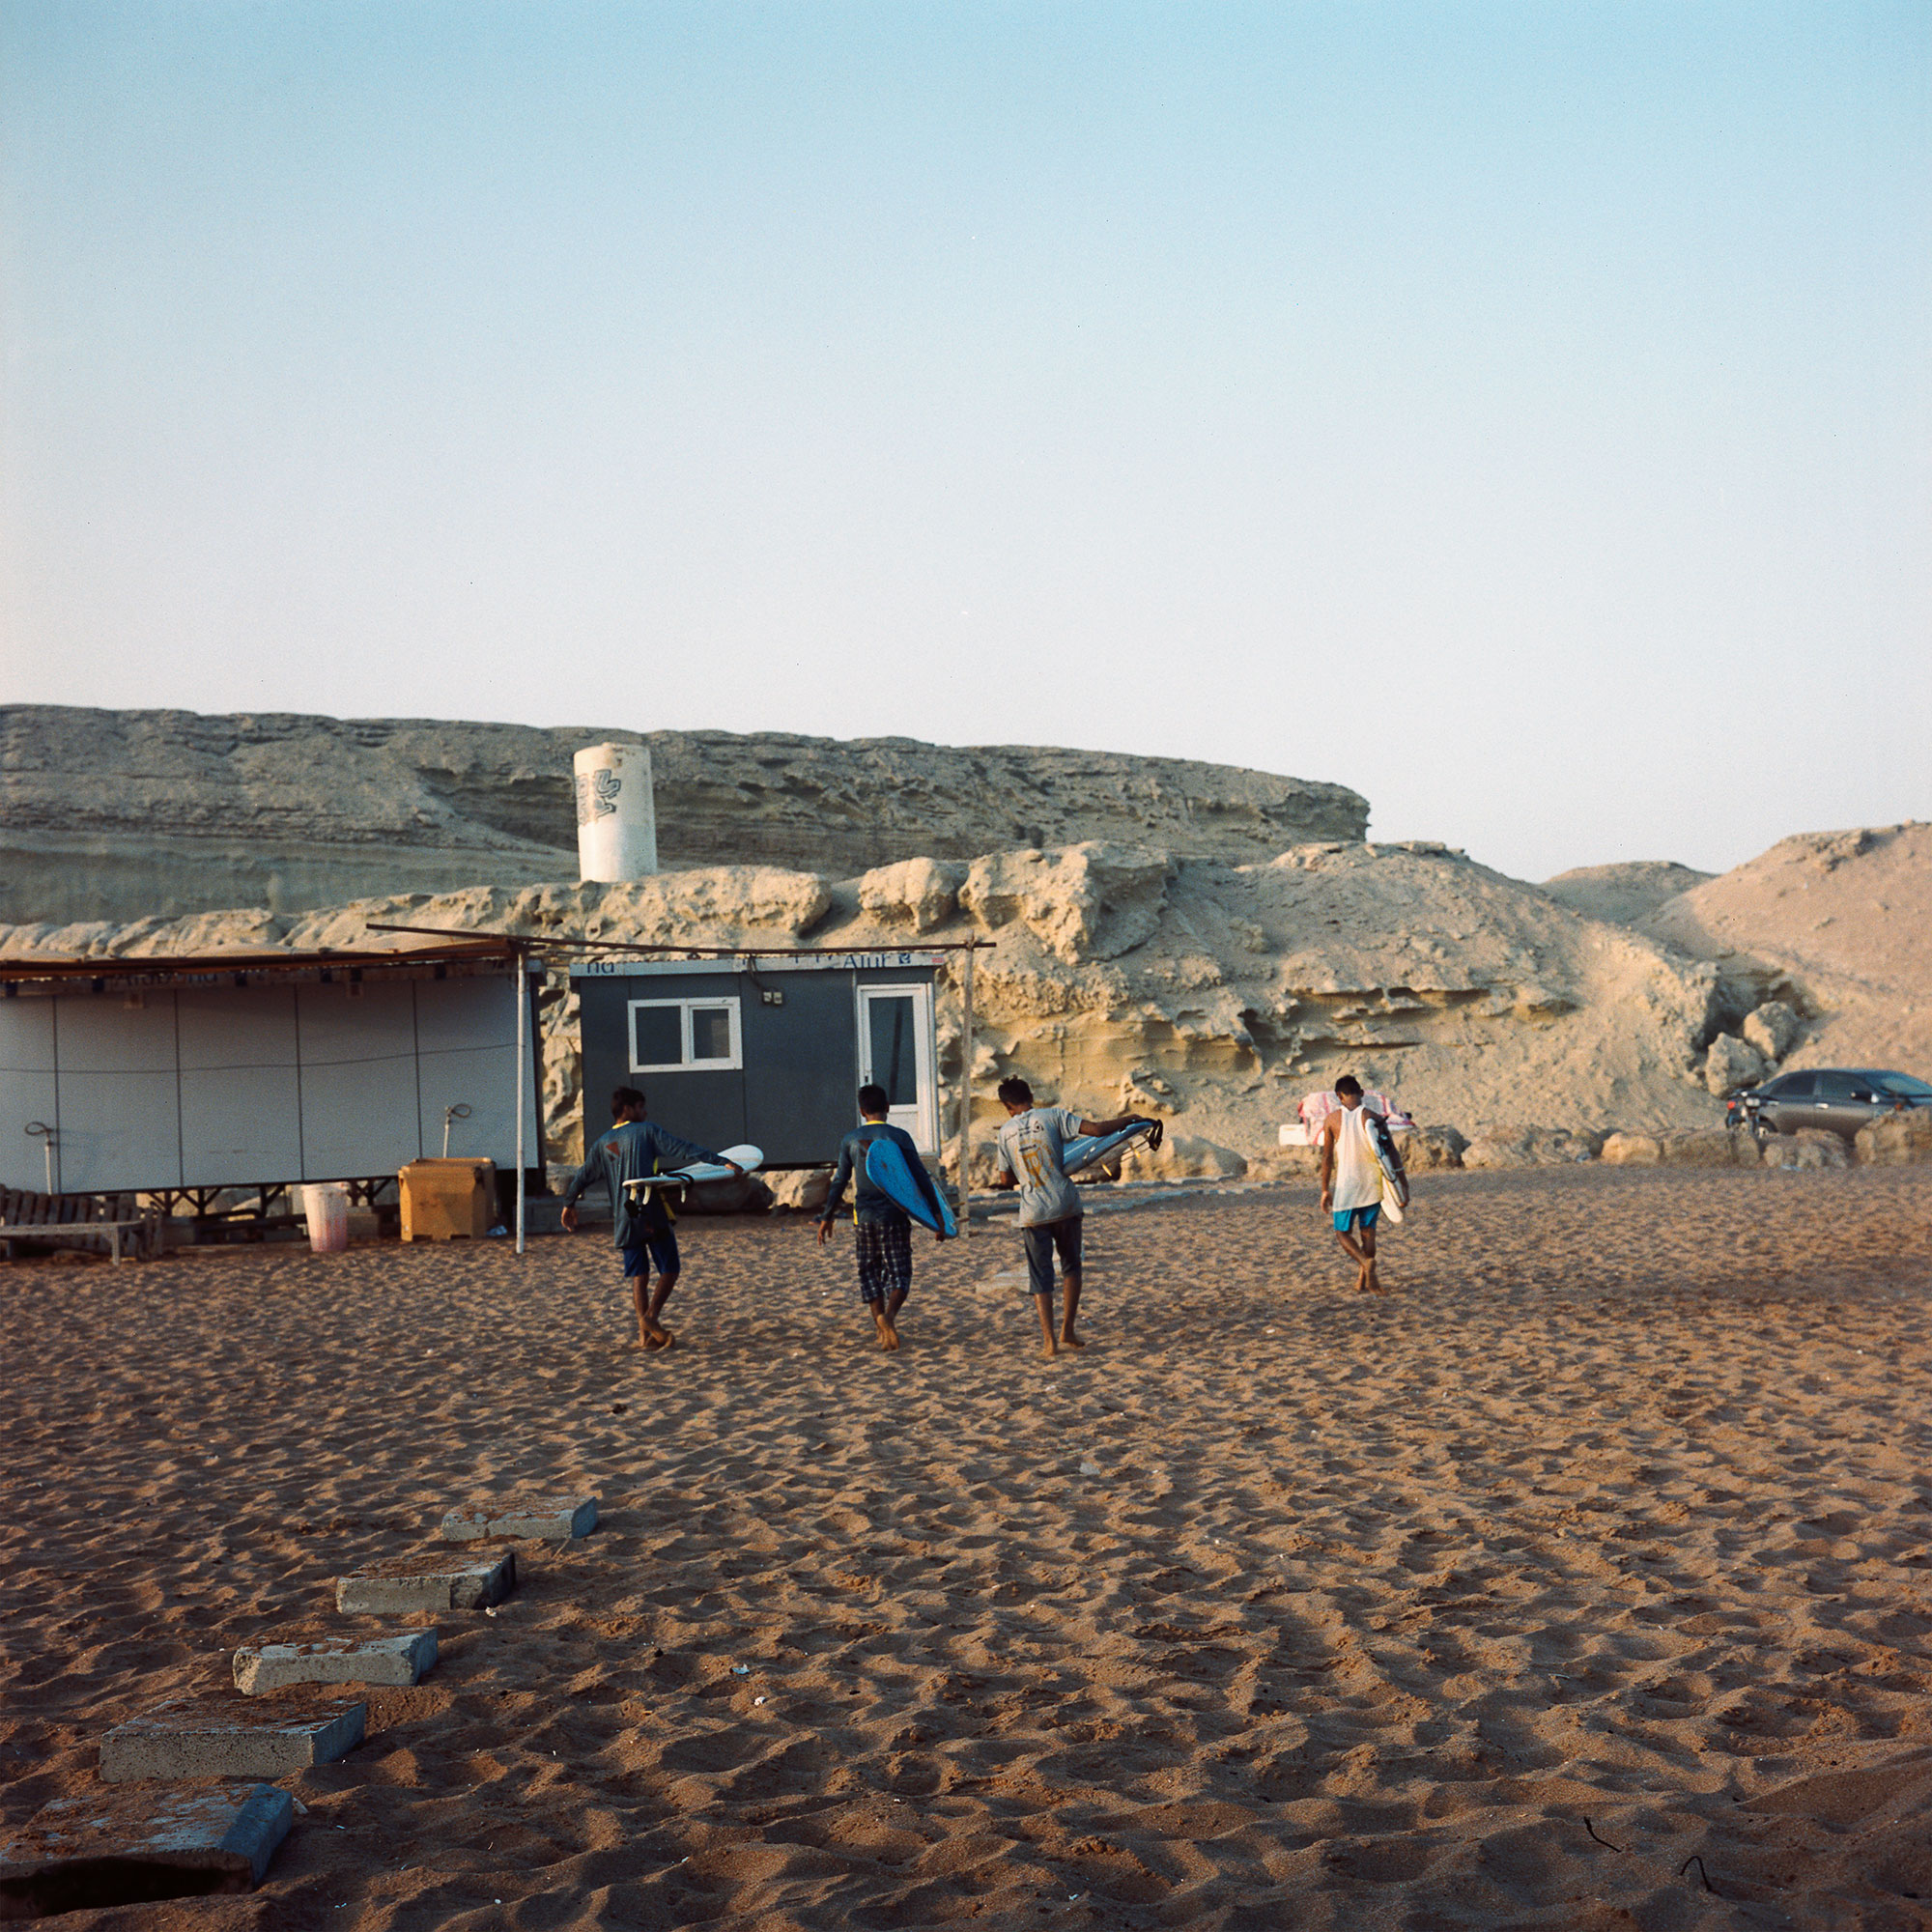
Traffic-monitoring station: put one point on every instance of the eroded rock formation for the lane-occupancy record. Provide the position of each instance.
(1125, 977)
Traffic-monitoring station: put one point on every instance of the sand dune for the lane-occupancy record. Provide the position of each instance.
(1602, 1546)
(1835, 921)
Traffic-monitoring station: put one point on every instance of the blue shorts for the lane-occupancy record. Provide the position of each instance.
(659, 1247)
(1350, 1218)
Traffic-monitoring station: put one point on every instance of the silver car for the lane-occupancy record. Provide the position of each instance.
(1841, 1099)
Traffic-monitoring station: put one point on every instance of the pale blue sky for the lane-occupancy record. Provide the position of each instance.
(1517, 413)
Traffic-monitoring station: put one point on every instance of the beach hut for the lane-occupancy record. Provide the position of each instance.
(180, 1077)
(769, 1049)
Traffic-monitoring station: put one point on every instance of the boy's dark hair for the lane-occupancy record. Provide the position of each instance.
(1015, 1092)
(873, 1100)
(1349, 1084)
(623, 1099)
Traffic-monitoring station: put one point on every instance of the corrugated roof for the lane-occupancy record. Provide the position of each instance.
(269, 962)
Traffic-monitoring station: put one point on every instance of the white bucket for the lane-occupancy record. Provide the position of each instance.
(326, 1209)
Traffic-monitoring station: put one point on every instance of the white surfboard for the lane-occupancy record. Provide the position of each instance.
(1395, 1176)
(1084, 1151)
(747, 1158)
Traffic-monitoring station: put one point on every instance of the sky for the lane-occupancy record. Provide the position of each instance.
(1517, 413)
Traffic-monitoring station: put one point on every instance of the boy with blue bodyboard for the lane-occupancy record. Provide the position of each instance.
(882, 1223)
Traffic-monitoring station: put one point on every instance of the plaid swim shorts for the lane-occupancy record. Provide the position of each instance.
(885, 1259)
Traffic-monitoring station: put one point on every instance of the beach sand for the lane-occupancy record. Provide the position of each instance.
(1585, 1580)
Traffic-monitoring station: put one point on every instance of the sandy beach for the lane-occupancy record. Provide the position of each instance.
(1584, 1581)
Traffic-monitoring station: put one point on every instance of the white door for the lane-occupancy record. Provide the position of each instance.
(896, 1052)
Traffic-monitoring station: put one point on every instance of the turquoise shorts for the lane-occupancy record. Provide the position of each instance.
(1351, 1218)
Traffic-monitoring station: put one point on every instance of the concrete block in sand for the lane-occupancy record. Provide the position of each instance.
(129, 1848)
(228, 1737)
(400, 1659)
(427, 1582)
(560, 1518)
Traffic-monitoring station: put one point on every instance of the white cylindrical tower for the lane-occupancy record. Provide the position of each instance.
(616, 814)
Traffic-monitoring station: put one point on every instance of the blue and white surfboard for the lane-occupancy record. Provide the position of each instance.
(747, 1158)
(889, 1171)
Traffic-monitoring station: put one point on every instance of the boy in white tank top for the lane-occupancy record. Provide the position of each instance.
(1351, 1182)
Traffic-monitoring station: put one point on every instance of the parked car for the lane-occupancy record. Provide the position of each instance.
(1840, 1100)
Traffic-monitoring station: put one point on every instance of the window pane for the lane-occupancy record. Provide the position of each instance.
(895, 1055)
(660, 1036)
(710, 1033)
(1797, 1085)
(1904, 1083)
(1838, 1086)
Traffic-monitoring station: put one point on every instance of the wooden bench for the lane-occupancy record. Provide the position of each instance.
(96, 1221)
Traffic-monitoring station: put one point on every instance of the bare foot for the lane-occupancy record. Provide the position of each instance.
(892, 1334)
(1050, 1348)
(1069, 1340)
(661, 1338)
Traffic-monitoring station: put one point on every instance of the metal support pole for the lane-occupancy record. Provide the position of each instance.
(965, 1093)
(519, 980)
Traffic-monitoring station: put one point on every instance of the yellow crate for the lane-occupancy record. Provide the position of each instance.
(449, 1200)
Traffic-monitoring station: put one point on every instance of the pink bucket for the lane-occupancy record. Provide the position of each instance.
(326, 1209)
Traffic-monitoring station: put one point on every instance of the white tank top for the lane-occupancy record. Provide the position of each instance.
(1358, 1174)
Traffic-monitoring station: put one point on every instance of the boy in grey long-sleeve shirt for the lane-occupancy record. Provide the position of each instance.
(632, 1149)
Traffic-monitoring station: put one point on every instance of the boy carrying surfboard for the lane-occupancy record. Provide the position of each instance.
(1352, 1181)
(631, 1150)
(1031, 1151)
(878, 1159)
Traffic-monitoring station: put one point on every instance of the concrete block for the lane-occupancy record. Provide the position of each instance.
(228, 1737)
(402, 1659)
(427, 1582)
(558, 1516)
(128, 1848)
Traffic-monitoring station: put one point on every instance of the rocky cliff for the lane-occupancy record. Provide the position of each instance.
(1125, 977)
(119, 815)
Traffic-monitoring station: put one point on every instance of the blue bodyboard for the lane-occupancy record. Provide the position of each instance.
(887, 1169)
(1090, 1148)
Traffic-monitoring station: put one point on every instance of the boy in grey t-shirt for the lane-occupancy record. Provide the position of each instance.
(1028, 1151)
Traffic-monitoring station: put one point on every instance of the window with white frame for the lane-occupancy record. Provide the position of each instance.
(685, 1036)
